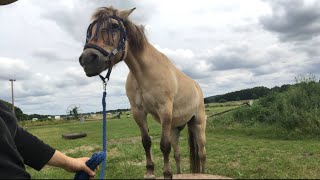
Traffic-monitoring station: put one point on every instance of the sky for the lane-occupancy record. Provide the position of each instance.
(224, 45)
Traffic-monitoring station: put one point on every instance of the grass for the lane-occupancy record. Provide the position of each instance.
(233, 151)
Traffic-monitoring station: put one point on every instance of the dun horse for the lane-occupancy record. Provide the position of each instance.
(154, 86)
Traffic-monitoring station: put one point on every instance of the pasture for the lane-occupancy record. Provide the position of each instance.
(232, 151)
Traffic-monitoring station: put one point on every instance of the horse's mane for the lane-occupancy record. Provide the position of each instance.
(136, 35)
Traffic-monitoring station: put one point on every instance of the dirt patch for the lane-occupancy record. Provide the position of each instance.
(114, 152)
(128, 140)
(234, 164)
(81, 148)
(134, 163)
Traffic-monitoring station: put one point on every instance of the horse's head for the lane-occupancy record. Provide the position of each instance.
(106, 40)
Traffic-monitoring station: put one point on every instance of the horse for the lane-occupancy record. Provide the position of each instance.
(154, 86)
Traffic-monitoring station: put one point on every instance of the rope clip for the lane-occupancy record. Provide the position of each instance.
(104, 86)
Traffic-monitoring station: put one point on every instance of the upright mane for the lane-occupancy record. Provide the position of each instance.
(136, 34)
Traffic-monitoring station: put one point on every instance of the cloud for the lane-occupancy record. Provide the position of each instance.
(51, 55)
(14, 69)
(297, 20)
(223, 45)
(75, 19)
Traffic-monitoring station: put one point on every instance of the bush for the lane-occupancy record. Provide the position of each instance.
(297, 109)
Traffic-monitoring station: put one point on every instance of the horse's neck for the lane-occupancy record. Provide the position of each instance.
(145, 62)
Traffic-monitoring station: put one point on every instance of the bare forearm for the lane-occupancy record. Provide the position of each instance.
(59, 160)
(70, 164)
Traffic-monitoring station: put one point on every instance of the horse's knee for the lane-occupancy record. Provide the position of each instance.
(165, 145)
(146, 141)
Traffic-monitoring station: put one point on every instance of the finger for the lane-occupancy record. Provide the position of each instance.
(88, 170)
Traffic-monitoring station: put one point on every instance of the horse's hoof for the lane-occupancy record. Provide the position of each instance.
(167, 175)
(149, 176)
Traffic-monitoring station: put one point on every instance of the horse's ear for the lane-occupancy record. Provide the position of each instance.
(124, 14)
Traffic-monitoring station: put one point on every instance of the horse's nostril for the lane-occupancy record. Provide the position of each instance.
(87, 58)
(94, 57)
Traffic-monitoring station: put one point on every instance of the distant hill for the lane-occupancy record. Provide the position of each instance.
(245, 94)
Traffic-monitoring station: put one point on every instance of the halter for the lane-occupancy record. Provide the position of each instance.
(121, 44)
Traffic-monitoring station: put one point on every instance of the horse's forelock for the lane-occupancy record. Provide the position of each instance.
(136, 35)
(103, 12)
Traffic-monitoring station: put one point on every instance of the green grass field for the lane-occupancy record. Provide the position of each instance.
(256, 152)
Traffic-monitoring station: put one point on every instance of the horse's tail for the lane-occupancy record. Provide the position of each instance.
(194, 155)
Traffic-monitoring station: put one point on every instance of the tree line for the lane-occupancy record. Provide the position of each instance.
(246, 94)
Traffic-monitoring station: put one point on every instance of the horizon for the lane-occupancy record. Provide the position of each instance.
(128, 108)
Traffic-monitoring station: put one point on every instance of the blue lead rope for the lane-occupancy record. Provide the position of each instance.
(99, 157)
(104, 131)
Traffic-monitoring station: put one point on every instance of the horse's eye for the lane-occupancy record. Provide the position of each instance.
(115, 27)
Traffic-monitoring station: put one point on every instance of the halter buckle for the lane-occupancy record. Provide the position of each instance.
(104, 86)
(115, 51)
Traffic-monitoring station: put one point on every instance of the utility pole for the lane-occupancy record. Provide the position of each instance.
(12, 95)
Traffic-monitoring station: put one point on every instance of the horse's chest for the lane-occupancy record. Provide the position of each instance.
(144, 100)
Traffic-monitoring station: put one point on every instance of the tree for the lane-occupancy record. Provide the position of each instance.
(254, 96)
(75, 112)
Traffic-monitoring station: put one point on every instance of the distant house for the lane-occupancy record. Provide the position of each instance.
(34, 119)
(57, 117)
(49, 117)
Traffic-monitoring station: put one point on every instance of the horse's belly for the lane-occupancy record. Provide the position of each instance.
(182, 114)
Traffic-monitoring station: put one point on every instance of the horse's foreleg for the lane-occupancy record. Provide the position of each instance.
(140, 118)
(165, 144)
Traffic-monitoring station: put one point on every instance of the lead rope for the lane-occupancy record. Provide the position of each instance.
(104, 130)
(99, 157)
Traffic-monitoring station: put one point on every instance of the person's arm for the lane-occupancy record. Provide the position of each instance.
(36, 154)
(70, 164)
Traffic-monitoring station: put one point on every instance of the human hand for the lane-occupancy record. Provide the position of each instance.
(78, 164)
(70, 164)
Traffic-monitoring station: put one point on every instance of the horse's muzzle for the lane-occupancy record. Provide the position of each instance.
(92, 61)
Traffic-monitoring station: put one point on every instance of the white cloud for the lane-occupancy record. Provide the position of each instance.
(13, 69)
(224, 45)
